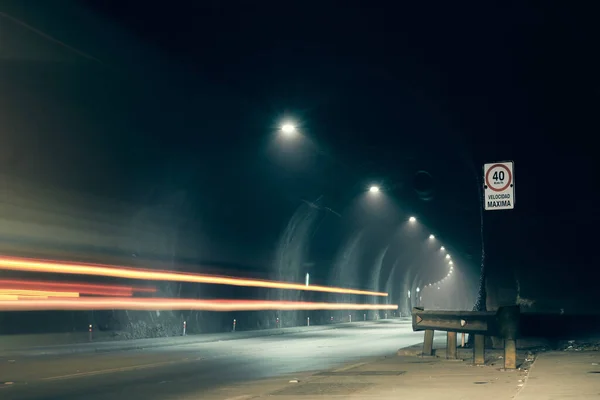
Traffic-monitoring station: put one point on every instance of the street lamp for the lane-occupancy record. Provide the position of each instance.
(450, 262)
(447, 256)
(412, 219)
(288, 128)
(374, 189)
(431, 237)
(442, 248)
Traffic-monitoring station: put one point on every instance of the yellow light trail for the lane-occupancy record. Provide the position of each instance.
(129, 303)
(33, 265)
(36, 293)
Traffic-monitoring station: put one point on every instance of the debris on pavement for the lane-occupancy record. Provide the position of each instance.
(572, 345)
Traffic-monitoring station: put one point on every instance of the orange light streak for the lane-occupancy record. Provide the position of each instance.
(31, 265)
(129, 303)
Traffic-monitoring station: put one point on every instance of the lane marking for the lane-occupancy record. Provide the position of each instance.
(242, 397)
(120, 369)
(346, 368)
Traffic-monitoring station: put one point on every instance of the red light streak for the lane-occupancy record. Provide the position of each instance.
(130, 303)
(84, 288)
(31, 265)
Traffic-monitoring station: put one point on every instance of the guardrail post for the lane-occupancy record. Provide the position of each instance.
(510, 354)
(479, 350)
(428, 343)
(508, 321)
(451, 345)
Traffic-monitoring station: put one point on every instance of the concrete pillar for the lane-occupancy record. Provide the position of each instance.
(510, 354)
(428, 343)
(451, 345)
(479, 350)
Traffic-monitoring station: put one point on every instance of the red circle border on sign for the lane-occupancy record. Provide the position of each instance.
(487, 177)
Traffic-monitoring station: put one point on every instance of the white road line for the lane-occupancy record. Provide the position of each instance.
(242, 397)
(346, 368)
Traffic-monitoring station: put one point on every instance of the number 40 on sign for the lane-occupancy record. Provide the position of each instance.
(499, 186)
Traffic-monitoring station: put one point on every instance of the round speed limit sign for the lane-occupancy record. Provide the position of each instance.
(498, 177)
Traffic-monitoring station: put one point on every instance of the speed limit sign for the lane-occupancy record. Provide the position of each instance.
(499, 185)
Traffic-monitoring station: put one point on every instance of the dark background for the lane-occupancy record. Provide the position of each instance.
(148, 132)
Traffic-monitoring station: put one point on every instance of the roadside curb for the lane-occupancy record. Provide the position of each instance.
(414, 350)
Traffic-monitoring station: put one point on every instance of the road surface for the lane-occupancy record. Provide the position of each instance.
(187, 371)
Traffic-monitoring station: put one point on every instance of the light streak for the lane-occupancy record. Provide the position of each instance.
(36, 293)
(32, 265)
(131, 303)
(83, 288)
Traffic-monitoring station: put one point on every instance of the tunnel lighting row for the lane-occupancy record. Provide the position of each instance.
(289, 129)
(413, 220)
(447, 257)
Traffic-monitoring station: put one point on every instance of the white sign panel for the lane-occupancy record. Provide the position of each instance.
(499, 185)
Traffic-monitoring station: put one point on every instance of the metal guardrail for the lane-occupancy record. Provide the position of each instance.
(504, 324)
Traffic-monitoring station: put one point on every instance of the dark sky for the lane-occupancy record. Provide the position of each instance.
(382, 91)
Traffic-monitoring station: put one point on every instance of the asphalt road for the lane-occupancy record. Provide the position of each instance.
(188, 370)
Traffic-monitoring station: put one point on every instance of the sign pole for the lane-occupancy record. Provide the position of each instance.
(498, 194)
